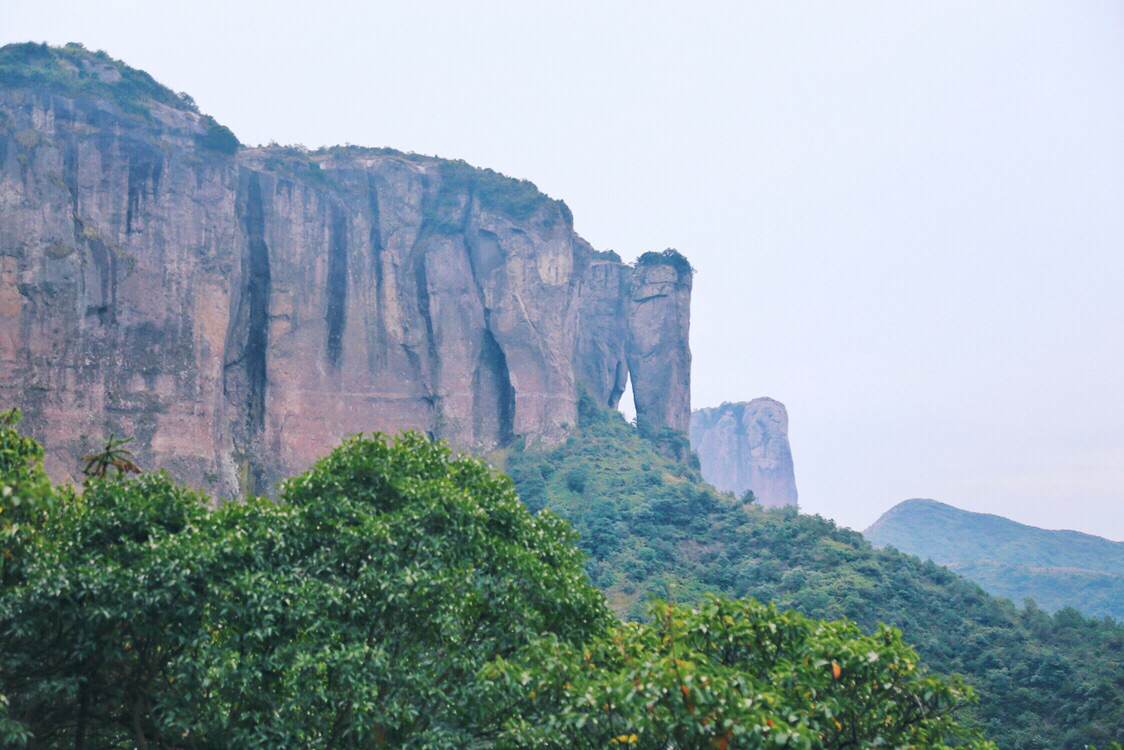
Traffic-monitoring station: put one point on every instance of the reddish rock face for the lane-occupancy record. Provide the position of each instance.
(744, 446)
(240, 313)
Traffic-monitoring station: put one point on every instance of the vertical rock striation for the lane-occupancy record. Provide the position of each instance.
(240, 310)
(744, 446)
(659, 316)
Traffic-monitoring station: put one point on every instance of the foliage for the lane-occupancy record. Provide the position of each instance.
(669, 257)
(112, 456)
(219, 138)
(647, 522)
(730, 674)
(74, 71)
(517, 199)
(354, 612)
(1055, 568)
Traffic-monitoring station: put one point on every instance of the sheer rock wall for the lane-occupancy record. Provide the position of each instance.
(240, 313)
(744, 446)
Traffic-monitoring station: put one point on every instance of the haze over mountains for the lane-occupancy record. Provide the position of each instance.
(244, 307)
(1056, 568)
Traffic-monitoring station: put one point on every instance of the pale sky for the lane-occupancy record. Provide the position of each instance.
(907, 217)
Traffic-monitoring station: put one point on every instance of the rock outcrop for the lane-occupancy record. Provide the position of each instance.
(744, 446)
(239, 310)
(658, 316)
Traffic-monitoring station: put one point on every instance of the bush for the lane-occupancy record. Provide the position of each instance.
(220, 138)
(669, 257)
(359, 606)
(730, 674)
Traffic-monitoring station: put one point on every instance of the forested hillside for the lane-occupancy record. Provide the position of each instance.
(1055, 568)
(651, 526)
(395, 596)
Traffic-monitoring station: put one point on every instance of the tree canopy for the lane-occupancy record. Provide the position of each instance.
(393, 596)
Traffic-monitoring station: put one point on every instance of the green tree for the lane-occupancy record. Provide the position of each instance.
(355, 611)
(731, 674)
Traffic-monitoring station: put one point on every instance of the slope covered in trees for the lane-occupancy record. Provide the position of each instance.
(394, 596)
(1055, 568)
(648, 523)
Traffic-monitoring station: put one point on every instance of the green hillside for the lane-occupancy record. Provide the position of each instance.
(648, 521)
(1055, 568)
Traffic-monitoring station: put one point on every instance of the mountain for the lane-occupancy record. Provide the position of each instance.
(744, 446)
(238, 310)
(652, 527)
(1055, 568)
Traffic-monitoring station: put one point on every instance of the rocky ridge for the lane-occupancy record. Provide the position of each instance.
(239, 310)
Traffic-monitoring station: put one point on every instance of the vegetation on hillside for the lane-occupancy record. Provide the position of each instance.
(1055, 568)
(75, 71)
(648, 522)
(517, 199)
(394, 596)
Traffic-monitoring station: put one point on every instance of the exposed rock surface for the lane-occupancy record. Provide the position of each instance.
(658, 316)
(744, 446)
(239, 310)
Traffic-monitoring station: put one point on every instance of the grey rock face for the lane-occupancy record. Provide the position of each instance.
(659, 315)
(744, 446)
(240, 313)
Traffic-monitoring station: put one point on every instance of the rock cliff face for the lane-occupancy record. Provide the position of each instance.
(240, 310)
(744, 446)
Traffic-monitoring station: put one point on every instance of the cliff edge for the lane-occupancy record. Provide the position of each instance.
(239, 309)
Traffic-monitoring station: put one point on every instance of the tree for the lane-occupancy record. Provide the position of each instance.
(353, 612)
(112, 456)
(730, 674)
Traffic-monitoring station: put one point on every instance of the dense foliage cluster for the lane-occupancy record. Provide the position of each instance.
(354, 612)
(669, 257)
(518, 199)
(394, 596)
(730, 675)
(219, 138)
(647, 522)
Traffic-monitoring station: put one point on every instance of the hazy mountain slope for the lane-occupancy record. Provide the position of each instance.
(648, 521)
(1055, 568)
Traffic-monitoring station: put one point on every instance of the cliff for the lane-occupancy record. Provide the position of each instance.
(239, 310)
(744, 446)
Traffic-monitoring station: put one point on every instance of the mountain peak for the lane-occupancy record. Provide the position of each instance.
(1007, 558)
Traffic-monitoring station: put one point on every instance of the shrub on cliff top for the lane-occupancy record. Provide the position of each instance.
(518, 199)
(219, 138)
(669, 257)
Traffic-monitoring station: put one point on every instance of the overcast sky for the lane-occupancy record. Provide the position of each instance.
(907, 217)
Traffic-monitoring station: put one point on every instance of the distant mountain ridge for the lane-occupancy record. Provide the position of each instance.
(1055, 568)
